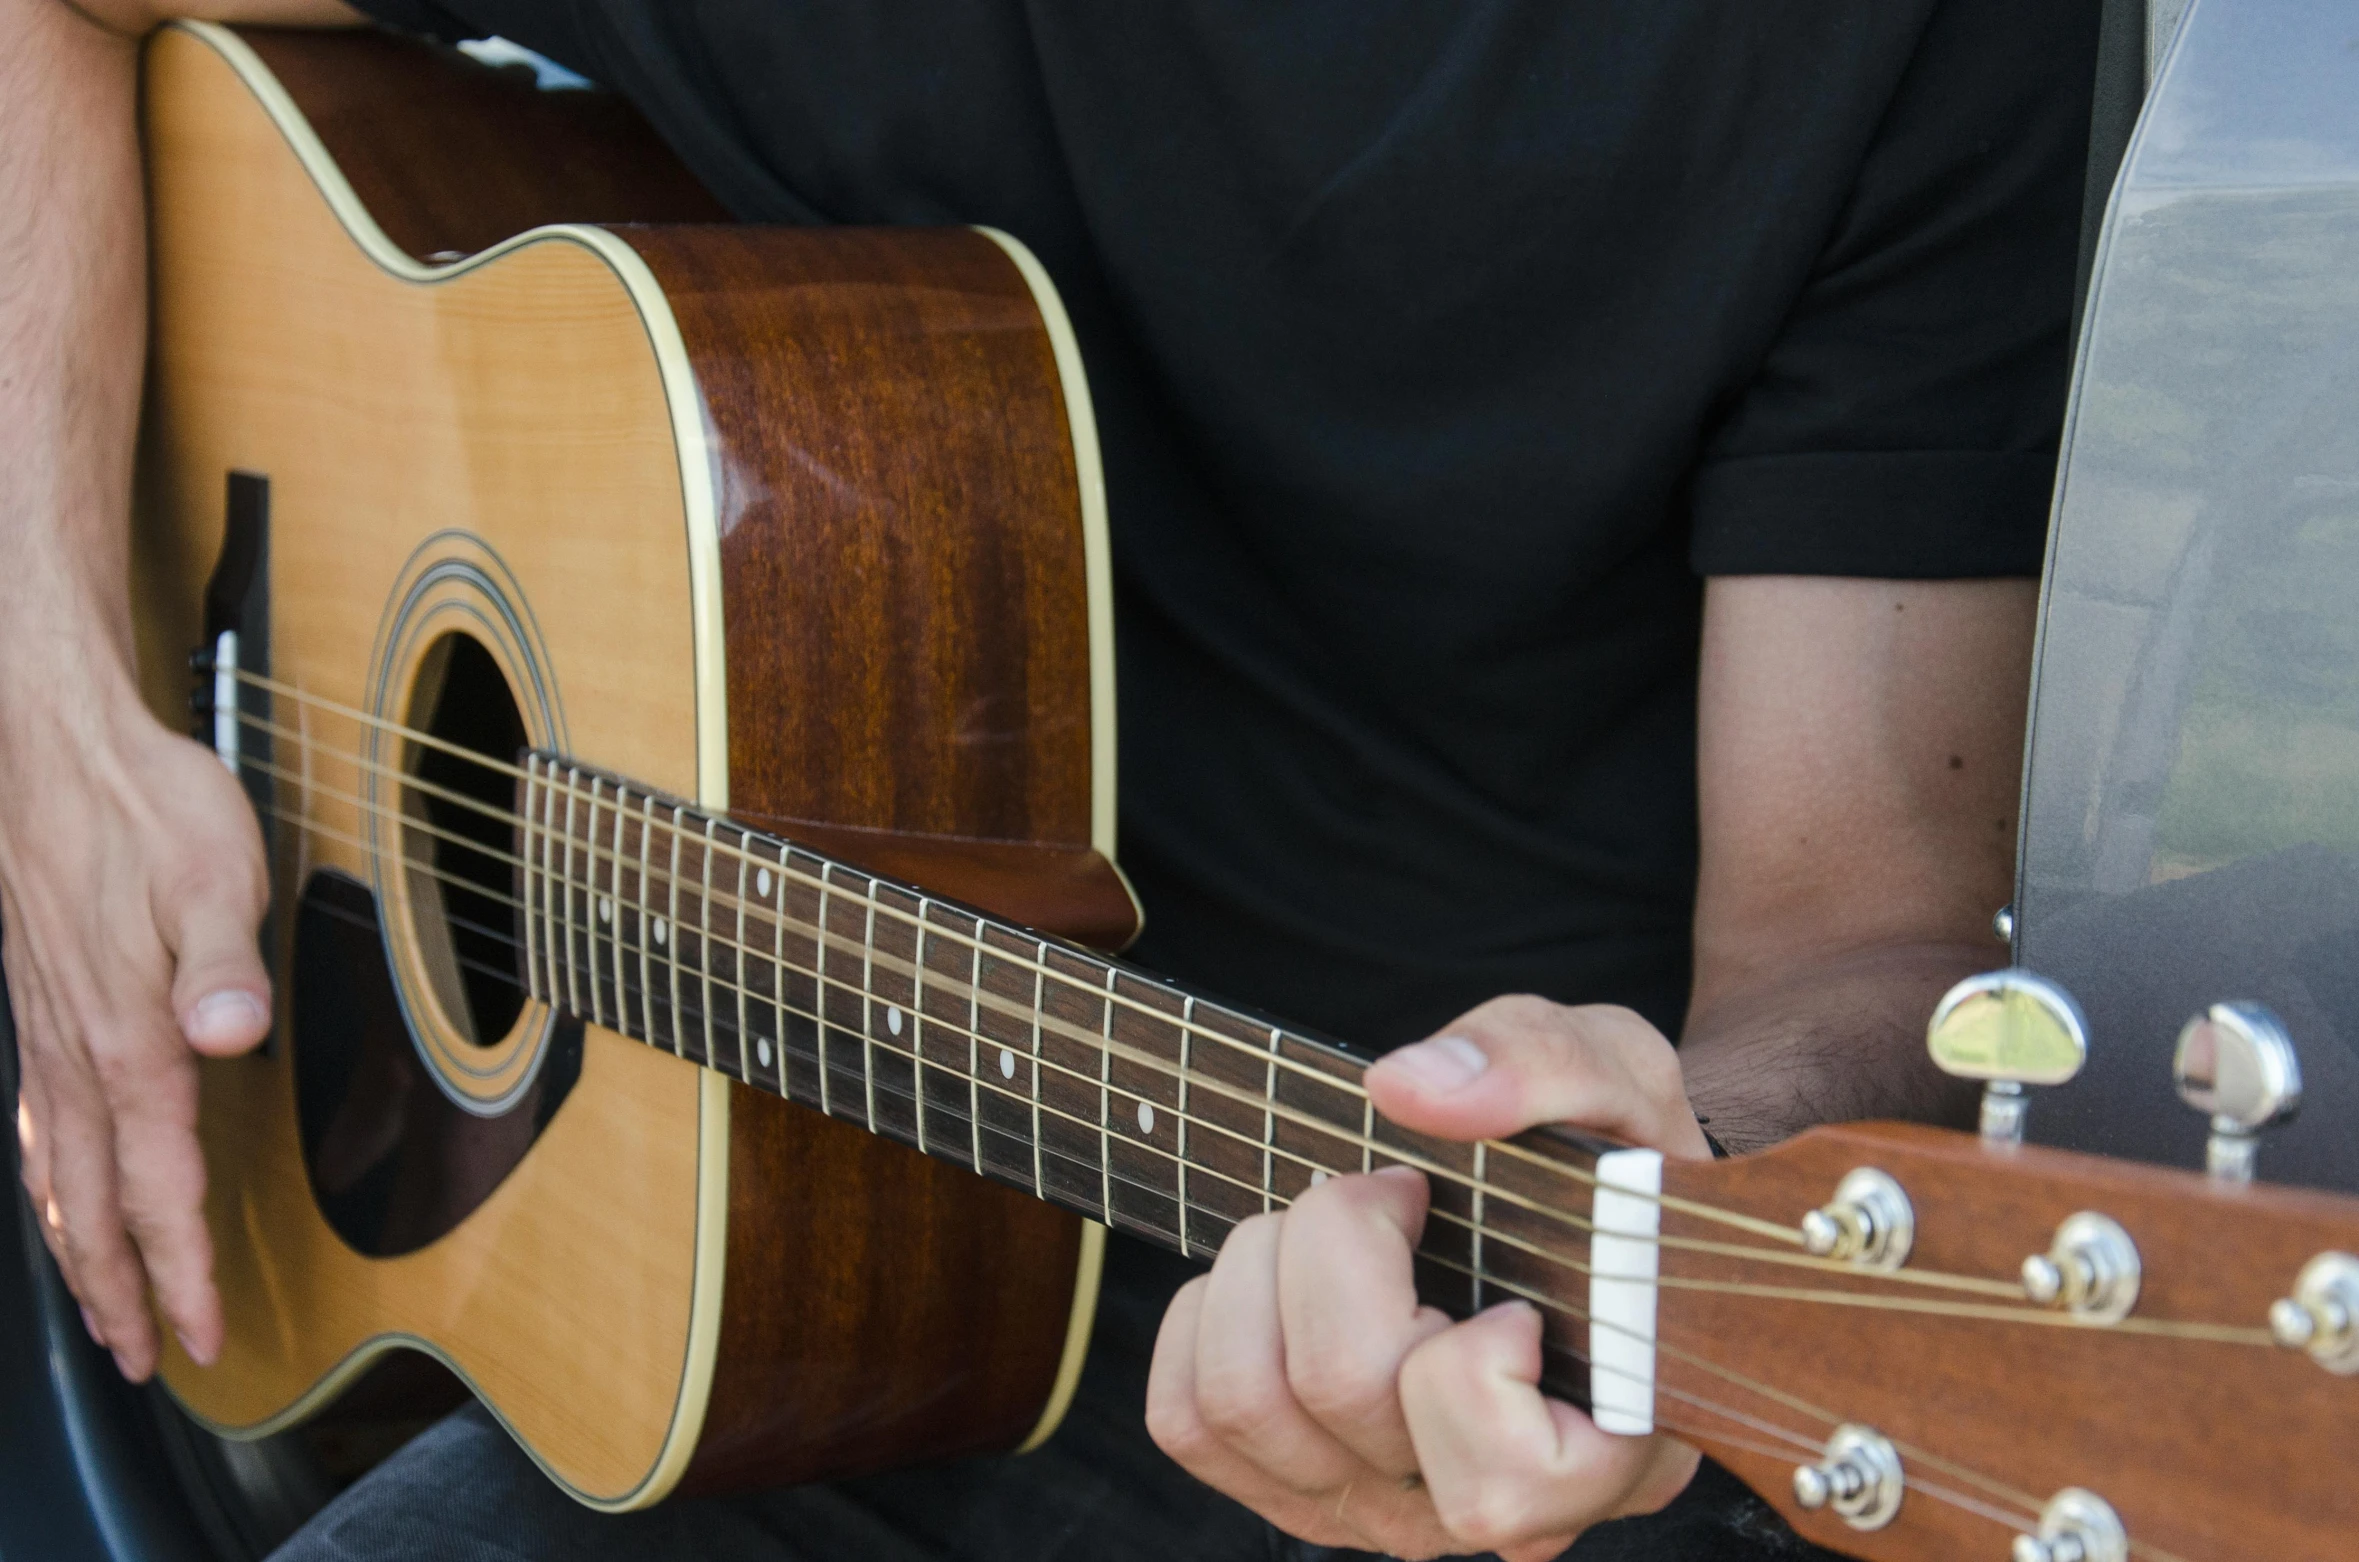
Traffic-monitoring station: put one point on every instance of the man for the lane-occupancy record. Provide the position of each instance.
(1576, 468)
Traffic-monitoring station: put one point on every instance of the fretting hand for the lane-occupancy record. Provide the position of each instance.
(1302, 1377)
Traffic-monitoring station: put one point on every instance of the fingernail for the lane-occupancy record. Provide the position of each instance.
(203, 1358)
(90, 1322)
(1442, 1065)
(225, 1019)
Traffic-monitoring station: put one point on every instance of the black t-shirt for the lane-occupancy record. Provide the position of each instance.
(1437, 349)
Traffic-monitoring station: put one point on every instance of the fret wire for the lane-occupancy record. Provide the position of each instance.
(778, 980)
(1480, 1172)
(819, 958)
(917, 1023)
(646, 972)
(598, 961)
(867, 998)
(1106, 1105)
(745, 1065)
(622, 797)
(1367, 1135)
(1269, 1121)
(573, 984)
(1039, 1002)
(704, 946)
(1180, 1130)
(671, 940)
(975, 1043)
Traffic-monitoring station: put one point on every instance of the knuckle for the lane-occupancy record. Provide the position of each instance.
(1340, 1379)
(1483, 1515)
(1239, 1407)
(1178, 1430)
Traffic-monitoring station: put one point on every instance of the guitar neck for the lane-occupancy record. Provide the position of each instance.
(1078, 1079)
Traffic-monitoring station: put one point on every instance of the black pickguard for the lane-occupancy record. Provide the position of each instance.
(394, 1163)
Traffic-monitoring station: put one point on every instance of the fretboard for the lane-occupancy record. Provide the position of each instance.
(1076, 1078)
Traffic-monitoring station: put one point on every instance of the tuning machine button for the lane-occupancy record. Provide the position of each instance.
(2008, 1029)
(2076, 1526)
(2236, 1065)
(1869, 1222)
(2322, 1314)
(1860, 1478)
(2091, 1270)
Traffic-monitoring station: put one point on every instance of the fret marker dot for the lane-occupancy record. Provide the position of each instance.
(1007, 1064)
(893, 1018)
(661, 930)
(1318, 1177)
(762, 1050)
(605, 909)
(762, 882)
(1146, 1118)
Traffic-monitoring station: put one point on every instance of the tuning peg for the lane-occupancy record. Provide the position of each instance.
(2076, 1526)
(2236, 1065)
(2009, 1029)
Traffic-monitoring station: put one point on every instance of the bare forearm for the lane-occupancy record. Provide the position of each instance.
(1836, 1040)
(72, 333)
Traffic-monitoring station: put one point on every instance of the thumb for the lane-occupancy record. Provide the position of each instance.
(220, 991)
(1516, 1063)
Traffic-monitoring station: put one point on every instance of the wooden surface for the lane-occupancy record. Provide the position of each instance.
(451, 156)
(936, 1309)
(519, 403)
(2208, 1451)
(907, 626)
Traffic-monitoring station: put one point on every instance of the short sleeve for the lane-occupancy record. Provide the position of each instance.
(1903, 422)
(421, 16)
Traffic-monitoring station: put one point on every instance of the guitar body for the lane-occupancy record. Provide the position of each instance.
(804, 526)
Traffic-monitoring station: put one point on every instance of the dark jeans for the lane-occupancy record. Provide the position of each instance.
(1098, 1491)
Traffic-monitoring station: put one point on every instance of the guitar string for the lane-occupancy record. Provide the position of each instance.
(1496, 1281)
(941, 934)
(2140, 1549)
(597, 852)
(1926, 1278)
(629, 990)
(1484, 1275)
(646, 820)
(2164, 1328)
(2225, 1334)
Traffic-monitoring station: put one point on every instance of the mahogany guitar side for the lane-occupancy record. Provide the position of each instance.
(910, 665)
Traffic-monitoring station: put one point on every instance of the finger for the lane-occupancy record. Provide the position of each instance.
(1240, 1369)
(160, 1173)
(33, 1169)
(1508, 1467)
(36, 1115)
(106, 1271)
(1178, 1427)
(1347, 1299)
(209, 915)
(1515, 1063)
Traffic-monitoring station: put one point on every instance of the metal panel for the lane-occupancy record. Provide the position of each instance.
(2192, 799)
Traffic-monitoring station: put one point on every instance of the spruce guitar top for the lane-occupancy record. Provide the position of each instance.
(672, 665)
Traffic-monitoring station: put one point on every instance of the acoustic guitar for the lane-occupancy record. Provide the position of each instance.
(671, 662)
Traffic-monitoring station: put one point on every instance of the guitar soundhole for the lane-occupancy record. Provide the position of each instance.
(459, 839)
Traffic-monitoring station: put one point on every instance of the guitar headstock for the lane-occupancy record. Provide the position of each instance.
(2151, 1379)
